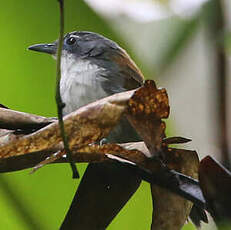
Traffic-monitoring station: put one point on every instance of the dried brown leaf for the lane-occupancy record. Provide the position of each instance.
(10, 119)
(170, 210)
(215, 182)
(7, 136)
(84, 126)
(149, 101)
(146, 108)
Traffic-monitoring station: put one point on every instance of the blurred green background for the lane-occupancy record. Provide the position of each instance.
(27, 83)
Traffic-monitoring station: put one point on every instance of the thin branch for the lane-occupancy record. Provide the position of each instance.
(216, 25)
(222, 92)
(60, 104)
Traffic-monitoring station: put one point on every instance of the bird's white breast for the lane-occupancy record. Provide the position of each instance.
(80, 83)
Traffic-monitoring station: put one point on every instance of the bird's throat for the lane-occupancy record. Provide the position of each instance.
(80, 83)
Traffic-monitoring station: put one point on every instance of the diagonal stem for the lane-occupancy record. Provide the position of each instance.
(60, 104)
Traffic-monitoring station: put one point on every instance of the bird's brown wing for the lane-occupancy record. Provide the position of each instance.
(133, 76)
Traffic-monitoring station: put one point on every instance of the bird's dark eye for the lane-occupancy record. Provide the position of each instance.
(71, 41)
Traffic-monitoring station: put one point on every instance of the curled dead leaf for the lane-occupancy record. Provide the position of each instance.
(144, 108)
(170, 210)
(215, 182)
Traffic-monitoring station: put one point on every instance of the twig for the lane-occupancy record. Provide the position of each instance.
(222, 97)
(217, 29)
(60, 104)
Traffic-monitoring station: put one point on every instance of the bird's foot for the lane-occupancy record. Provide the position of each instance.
(103, 141)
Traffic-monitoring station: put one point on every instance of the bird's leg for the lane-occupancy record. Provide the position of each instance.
(103, 141)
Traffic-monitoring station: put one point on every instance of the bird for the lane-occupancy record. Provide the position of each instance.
(94, 67)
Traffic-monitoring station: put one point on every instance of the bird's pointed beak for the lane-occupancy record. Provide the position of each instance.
(44, 48)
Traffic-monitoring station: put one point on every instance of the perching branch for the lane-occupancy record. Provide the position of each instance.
(60, 104)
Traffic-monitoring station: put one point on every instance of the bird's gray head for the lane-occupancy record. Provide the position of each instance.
(82, 45)
(98, 50)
